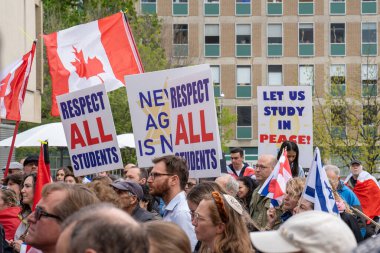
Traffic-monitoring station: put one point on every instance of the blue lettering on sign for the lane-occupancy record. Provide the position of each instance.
(95, 158)
(200, 159)
(191, 93)
(82, 105)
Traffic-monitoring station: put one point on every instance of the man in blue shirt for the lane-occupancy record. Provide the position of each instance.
(333, 173)
(167, 180)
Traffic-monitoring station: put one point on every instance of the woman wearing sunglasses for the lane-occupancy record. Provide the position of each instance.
(27, 198)
(219, 225)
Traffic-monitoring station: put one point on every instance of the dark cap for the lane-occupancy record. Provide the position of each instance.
(31, 159)
(127, 185)
(355, 162)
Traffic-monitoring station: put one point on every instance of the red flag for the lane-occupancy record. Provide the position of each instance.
(99, 52)
(13, 83)
(368, 192)
(43, 173)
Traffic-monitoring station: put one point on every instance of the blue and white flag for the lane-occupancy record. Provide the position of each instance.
(318, 189)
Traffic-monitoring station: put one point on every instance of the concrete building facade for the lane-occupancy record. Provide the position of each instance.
(272, 42)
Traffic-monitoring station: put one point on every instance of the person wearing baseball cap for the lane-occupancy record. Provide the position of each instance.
(30, 164)
(366, 188)
(14, 167)
(308, 232)
(130, 193)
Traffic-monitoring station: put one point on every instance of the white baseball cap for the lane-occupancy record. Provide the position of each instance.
(311, 231)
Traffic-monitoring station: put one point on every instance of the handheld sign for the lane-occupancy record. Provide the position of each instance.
(151, 98)
(90, 133)
(194, 125)
(285, 113)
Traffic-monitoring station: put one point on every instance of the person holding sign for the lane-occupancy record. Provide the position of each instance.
(293, 155)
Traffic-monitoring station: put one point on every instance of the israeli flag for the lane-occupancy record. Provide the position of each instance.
(318, 189)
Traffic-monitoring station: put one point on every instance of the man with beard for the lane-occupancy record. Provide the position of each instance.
(167, 180)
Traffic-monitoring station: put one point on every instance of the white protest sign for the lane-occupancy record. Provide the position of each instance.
(90, 132)
(285, 113)
(149, 97)
(194, 125)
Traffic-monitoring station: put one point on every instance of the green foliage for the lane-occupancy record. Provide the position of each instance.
(346, 126)
(62, 14)
(225, 120)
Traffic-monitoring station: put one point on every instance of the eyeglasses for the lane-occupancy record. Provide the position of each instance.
(119, 192)
(153, 175)
(260, 167)
(196, 217)
(39, 212)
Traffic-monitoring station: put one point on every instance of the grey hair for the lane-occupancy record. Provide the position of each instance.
(232, 186)
(333, 168)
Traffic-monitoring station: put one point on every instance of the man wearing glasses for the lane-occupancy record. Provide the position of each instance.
(259, 204)
(167, 180)
(58, 201)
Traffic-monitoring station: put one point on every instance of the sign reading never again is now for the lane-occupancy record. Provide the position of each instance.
(90, 132)
(173, 112)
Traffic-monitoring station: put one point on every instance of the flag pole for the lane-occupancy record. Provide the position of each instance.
(12, 147)
(365, 216)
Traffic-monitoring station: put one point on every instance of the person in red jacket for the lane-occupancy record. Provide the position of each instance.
(238, 168)
(9, 212)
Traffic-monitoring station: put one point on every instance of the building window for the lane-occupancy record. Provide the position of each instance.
(274, 39)
(306, 76)
(243, 7)
(305, 7)
(369, 80)
(337, 7)
(337, 39)
(274, 7)
(149, 6)
(215, 70)
(274, 74)
(243, 40)
(180, 40)
(306, 39)
(338, 80)
(243, 82)
(369, 39)
(211, 7)
(244, 122)
(338, 121)
(212, 46)
(369, 6)
(370, 113)
(180, 7)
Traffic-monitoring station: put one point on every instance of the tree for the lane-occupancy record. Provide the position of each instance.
(347, 120)
(62, 14)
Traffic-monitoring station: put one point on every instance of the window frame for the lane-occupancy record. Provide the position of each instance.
(282, 75)
(237, 122)
(237, 84)
(345, 78)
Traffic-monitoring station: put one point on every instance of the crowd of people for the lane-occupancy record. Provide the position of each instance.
(161, 209)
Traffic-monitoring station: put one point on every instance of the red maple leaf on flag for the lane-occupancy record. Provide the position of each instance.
(88, 69)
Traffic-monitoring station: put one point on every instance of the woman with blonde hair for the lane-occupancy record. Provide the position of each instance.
(294, 189)
(165, 236)
(219, 225)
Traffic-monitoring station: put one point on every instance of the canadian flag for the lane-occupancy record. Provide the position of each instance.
(99, 52)
(13, 83)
